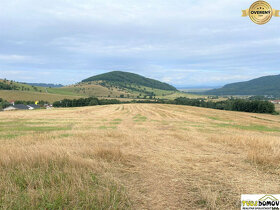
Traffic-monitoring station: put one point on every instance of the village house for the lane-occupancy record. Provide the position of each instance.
(275, 101)
(21, 107)
(33, 106)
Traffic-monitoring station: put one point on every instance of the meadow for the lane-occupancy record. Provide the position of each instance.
(128, 91)
(136, 156)
(277, 107)
(14, 95)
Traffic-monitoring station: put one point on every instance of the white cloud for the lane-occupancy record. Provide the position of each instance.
(181, 39)
(13, 58)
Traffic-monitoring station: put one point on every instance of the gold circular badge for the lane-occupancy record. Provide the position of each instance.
(260, 12)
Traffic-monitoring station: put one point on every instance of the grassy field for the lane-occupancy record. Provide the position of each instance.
(13, 95)
(131, 91)
(277, 107)
(136, 156)
(24, 87)
(89, 90)
(161, 94)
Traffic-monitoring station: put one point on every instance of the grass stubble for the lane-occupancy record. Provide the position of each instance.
(136, 156)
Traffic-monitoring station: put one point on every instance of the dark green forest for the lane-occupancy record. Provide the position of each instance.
(4, 86)
(268, 85)
(85, 102)
(3, 103)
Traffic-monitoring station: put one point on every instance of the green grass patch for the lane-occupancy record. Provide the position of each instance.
(63, 91)
(114, 123)
(9, 136)
(65, 135)
(42, 129)
(34, 128)
(213, 118)
(218, 118)
(139, 118)
(250, 127)
(117, 120)
(107, 127)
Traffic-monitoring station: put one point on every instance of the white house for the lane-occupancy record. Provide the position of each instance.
(16, 107)
(21, 107)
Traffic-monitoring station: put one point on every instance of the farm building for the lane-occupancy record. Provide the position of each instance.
(21, 107)
(33, 106)
(275, 101)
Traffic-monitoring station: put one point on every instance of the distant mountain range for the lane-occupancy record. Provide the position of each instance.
(268, 85)
(118, 84)
(44, 85)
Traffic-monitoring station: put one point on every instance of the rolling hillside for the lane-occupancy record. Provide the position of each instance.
(268, 85)
(14, 95)
(11, 85)
(13, 91)
(92, 89)
(119, 84)
(136, 156)
(116, 84)
(125, 79)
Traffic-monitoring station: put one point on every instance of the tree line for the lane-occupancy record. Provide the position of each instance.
(85, 102)
(242, 105)
(3, 104)
(4, 86)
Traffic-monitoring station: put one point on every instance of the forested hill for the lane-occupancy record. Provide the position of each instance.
(119, 77)
(268, 85)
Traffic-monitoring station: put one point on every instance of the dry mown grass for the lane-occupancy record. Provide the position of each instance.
(277, 107)
(139, 156)
(42, 175)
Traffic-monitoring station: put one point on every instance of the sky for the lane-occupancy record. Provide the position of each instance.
(186, 43)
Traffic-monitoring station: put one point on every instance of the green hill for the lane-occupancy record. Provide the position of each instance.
(110, 85)
(16, 91)
(125, 79)
(11, 85)
(268, 85)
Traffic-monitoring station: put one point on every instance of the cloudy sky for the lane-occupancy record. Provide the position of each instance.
(182, 42)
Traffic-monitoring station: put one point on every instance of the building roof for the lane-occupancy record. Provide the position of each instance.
(9, 108)
(34, 106)
(20, 106)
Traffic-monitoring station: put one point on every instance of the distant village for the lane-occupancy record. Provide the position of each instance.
(275, 101)
(13, 106)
